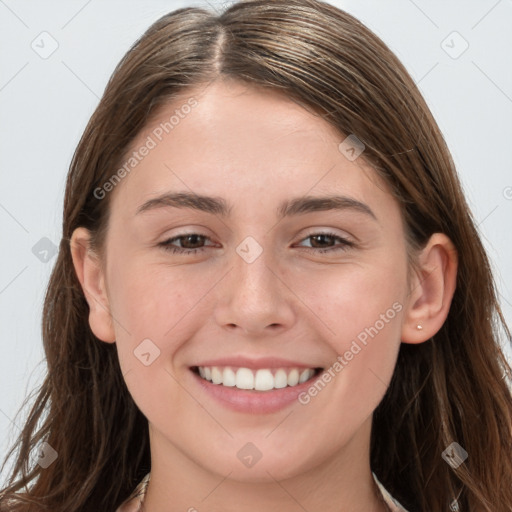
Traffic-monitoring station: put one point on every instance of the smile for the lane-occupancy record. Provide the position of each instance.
(263, 379)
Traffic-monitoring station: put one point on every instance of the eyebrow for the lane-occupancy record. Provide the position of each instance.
(219, 206)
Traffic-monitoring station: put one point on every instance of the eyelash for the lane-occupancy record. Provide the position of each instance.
(178, 250)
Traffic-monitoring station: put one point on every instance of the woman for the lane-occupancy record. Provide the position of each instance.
(270, 292)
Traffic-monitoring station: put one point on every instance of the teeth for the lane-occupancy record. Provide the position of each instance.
(264, 380)
(304, 376)
(244, 379)
(216, 375)
(293, 377)
(228, 377)
(280, 379)
(261, 380)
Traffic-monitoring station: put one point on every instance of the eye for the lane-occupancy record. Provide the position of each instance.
(194, 243)
(191, 239)
(320, 238)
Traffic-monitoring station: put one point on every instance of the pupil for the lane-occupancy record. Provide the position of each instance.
(193, 237)
(321, 237)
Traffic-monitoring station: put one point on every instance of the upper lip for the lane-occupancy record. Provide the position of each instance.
(255, 364)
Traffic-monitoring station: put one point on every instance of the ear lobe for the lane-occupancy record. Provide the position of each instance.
(90, 274)
(432, 290)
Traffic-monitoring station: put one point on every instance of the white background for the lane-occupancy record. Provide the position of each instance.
(46, 103)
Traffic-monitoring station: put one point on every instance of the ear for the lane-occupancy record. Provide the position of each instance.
(91, 276)
(431, 291)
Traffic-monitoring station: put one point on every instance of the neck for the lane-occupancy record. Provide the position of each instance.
(338, 482)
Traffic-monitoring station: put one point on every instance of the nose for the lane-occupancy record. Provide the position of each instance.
(255, 297)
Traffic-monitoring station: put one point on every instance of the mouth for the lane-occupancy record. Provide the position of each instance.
(259, 380)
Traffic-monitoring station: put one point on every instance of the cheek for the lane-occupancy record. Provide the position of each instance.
(150, 305)
(350, 298)
(161, 303)
(151, 299)
(360, 308)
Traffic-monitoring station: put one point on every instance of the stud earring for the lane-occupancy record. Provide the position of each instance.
(419, 327)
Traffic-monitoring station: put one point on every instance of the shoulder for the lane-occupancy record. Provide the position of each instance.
(133, 503)
(393, 504)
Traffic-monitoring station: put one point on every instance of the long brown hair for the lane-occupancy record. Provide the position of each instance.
(452, 388)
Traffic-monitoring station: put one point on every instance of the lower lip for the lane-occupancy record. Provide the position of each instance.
(252, 401)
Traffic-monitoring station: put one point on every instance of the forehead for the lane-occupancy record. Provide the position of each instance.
(230, 139)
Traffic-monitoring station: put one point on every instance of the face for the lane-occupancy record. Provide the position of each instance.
(264, 277)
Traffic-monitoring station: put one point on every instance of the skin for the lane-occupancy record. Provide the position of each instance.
(256, 149)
